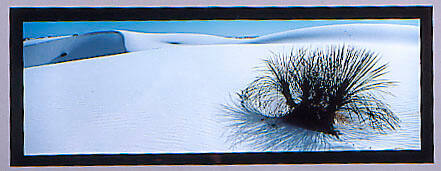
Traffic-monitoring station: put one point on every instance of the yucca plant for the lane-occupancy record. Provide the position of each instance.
(317, 88)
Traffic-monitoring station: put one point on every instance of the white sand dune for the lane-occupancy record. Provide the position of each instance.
(135, 41)
(66, 48)
(373, 33)
(59, 49)
(165, 94)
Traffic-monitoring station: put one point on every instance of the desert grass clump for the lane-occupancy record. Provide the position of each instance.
(316, 89)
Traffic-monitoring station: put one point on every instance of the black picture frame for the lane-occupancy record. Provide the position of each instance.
(19, 15)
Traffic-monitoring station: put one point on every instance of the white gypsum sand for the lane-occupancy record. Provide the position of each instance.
(164, 95)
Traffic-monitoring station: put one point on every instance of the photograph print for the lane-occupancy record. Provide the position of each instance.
(185, 87)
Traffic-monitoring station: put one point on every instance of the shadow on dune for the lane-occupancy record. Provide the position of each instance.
(254, 129)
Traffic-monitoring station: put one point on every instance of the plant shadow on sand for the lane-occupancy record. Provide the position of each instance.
(313, 100)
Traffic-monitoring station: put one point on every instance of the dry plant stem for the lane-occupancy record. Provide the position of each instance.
(308, 88)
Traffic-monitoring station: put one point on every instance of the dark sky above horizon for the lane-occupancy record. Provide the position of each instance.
(227, 28)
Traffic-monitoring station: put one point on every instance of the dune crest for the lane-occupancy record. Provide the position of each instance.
(67, 48)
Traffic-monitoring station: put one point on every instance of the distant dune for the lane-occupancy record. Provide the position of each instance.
(59, 49)
(346, 33)
(54, 50)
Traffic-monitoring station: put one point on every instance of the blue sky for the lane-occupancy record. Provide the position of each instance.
(228, 28)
